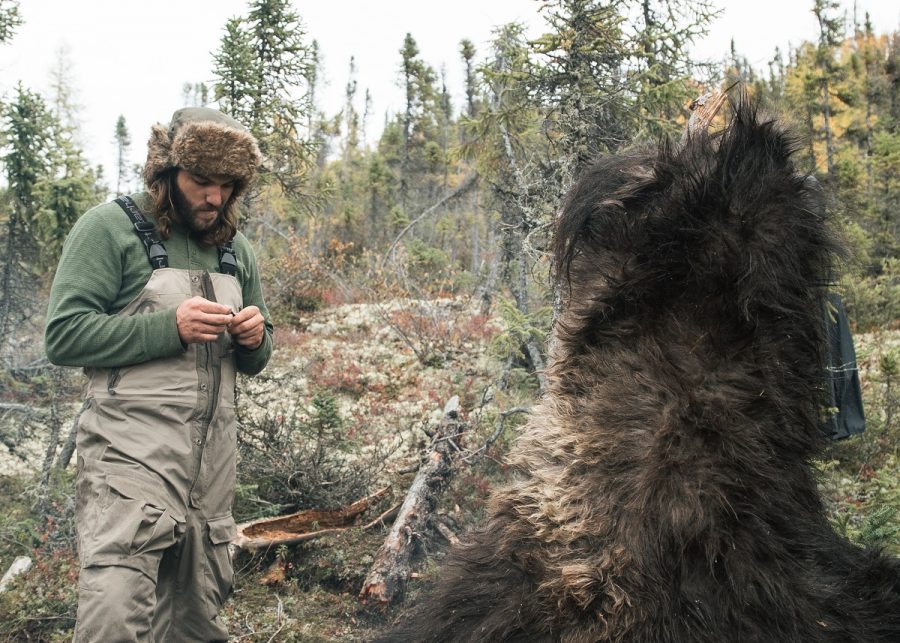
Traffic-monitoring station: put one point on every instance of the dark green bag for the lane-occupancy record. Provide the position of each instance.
(844, 389)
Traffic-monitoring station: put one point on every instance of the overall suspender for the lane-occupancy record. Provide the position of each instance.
(227, 259)
(156, 251)
(146, 230)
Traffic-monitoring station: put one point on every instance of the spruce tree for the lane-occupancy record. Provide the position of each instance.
(233, 69)
(28, 126)
(9, 19)
(830, 36)
(467, 52)
(123, 144)
(264, 72)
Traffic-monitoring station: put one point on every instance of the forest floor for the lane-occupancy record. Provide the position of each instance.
(388, 369)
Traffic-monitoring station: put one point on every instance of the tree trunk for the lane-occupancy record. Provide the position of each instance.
(829, 137)
(387, 577)
(6, 280)
(490, 284)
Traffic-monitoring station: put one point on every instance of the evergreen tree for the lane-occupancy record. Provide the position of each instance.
(194, 94)
(264, 72)
(61, 199)
(830, 36)
(70, 186)
(282, 66)
(503, 141)
(665, 30)
(350, 115)
(62, 94)
(411, 69)
(233, 69)
(892, 78)
(775, 85)
(314, 78)
(581, 81)
(123, 144)
(367, 114)
(9, 19)
(28, 126)
(467, 52)
(611, 71)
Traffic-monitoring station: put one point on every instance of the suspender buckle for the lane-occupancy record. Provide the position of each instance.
(144, 227)
(156, 251)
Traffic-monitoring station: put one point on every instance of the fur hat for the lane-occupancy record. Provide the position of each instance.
(203, 141)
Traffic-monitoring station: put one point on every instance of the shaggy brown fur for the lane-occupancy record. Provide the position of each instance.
(663, 487)
(205, 142)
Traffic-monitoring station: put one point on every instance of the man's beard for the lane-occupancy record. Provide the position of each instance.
(188, 215)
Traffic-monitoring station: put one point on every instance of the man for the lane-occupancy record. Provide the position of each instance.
(147, 298)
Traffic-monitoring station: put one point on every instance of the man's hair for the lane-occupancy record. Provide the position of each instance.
(163, 190)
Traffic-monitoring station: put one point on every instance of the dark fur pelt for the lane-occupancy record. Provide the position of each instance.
(663, 490)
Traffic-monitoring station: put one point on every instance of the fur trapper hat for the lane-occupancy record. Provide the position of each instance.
(203, 141)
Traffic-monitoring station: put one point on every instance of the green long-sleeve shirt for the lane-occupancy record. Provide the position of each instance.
(104, 266)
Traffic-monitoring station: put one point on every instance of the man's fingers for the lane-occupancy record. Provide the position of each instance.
(246, 326)
(218, 320)
(201, 320)
(210, 307)
(247, 319)
(245, 314)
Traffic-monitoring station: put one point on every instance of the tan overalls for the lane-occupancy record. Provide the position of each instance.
(155, 483)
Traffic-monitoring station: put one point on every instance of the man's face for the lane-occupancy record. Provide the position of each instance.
(201, 199)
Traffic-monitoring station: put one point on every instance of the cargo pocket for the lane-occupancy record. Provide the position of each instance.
(219, 571)
(129, 531)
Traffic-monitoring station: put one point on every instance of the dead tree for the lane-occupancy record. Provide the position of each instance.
(304, 525)
(387, 577)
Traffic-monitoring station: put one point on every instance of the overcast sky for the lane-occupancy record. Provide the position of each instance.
(132, 57)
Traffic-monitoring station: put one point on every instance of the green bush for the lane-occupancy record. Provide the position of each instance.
(874, 301)
(301, 459)
(38, 521)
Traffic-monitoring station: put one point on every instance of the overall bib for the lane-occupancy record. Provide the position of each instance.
(155, 482)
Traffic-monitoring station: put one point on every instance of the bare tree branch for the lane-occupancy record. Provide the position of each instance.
(467, 183)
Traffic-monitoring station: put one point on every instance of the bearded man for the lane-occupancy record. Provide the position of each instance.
(158, 297)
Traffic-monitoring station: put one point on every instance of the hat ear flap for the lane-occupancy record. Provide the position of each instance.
(159, 153)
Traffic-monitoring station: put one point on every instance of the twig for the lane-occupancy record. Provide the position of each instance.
(383, 518)
(498, 431)
(462, 188)
(446, 532)
(279, 616)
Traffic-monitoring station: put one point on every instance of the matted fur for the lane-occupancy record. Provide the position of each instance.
(663, 491)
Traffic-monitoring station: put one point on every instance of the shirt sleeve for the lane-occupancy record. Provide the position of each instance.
(251, 362)
(82, 327)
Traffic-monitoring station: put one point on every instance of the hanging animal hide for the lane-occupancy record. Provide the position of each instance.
(663, 491)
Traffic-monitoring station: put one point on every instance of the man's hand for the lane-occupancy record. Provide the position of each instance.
(200, 320)
(248, 327)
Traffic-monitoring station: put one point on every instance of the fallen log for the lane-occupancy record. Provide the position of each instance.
(303, 525)
(388, 575)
